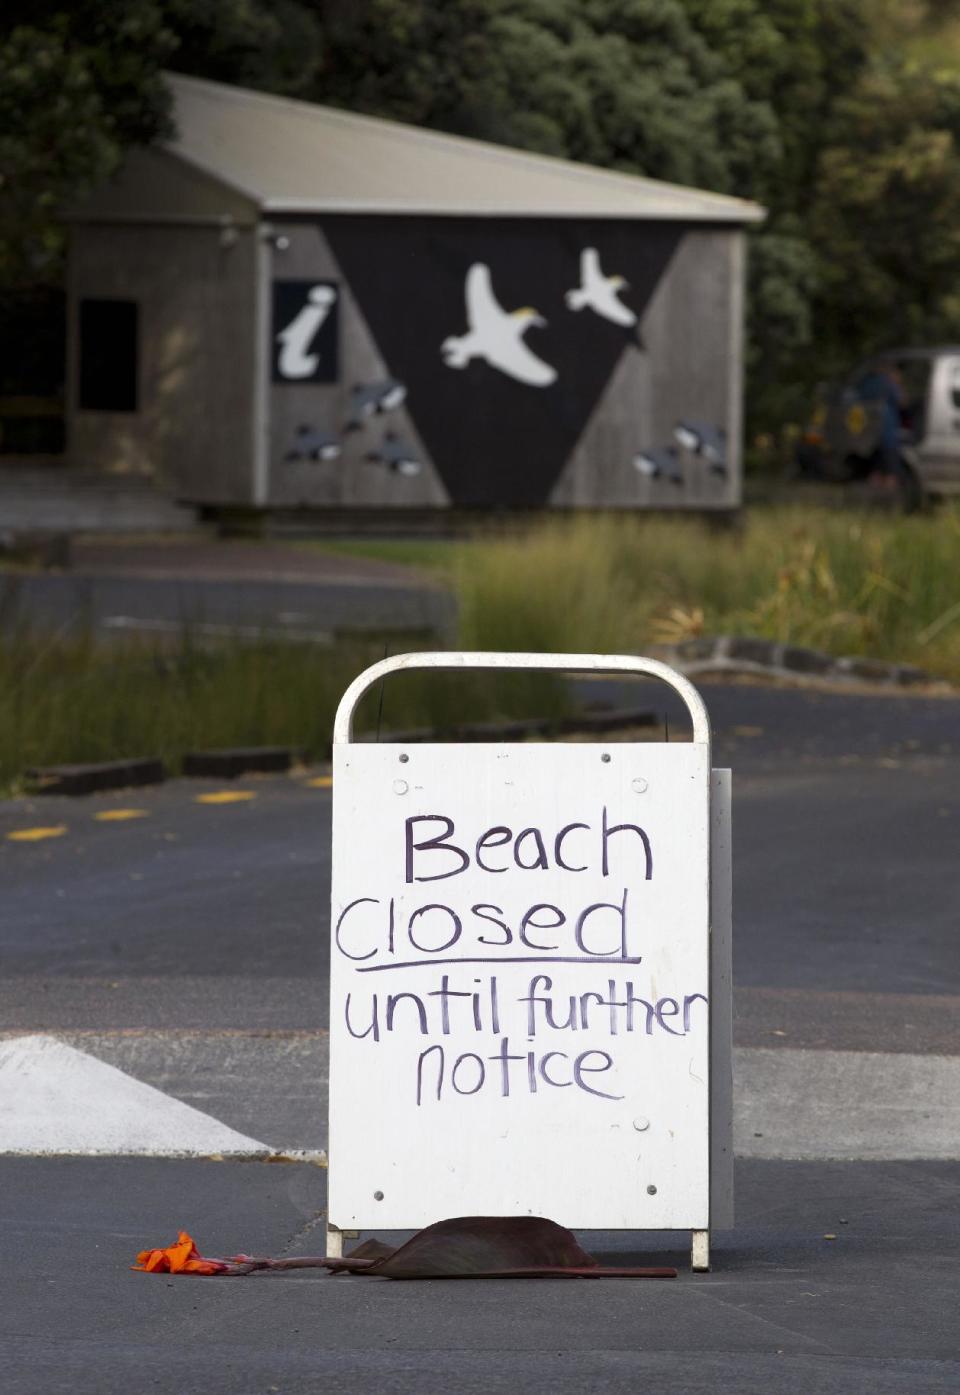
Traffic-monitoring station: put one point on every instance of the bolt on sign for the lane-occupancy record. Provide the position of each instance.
(530, 976)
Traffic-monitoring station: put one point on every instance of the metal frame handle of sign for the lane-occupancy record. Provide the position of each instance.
(721, 1175)
(557, 663)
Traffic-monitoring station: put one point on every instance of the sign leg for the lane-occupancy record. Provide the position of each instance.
(700, 1251)
(334, 1242)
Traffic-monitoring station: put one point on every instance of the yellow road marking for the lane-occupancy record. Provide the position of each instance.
(34, 835)
(320, 782)
(117, 815)
(225, 797)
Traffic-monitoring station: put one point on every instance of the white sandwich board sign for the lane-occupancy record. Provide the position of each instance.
(529, 1015)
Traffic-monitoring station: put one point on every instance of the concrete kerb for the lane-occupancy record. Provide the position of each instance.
(702, 655)
(231, 762)
(93, 778)
(748, 654)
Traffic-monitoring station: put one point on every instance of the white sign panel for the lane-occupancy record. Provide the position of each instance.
(519, 985)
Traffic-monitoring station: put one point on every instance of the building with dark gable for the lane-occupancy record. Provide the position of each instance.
(291, 306)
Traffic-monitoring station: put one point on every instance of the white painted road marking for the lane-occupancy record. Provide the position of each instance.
(55, 1099)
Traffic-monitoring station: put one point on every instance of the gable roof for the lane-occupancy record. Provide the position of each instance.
(295, 157)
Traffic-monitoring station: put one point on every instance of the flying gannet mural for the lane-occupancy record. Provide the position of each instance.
(314, 444)
(600, 293)
(396, 454)
(368, 400)
(496, 335)
(709, 441)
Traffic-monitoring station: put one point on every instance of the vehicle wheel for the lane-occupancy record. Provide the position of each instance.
(850, 469)
(909, 490)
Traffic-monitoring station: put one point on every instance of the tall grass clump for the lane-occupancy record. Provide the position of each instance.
(849, 583)
(70, 699)
(562, 586)
(558, 588)
(67, 699)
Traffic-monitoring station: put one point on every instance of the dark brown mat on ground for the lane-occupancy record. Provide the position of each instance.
(486, 1247)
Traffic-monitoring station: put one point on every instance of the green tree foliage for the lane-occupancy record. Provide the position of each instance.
(795, 55)
(274, 46)
(75, 88)
(782, 279)
(788, 54)
(886, 212)
(81, 80)
(628, 84)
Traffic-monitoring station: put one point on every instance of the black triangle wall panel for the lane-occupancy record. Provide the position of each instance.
(497, 442)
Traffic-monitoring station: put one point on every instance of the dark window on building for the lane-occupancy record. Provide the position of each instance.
(33, 338)
(108, 355)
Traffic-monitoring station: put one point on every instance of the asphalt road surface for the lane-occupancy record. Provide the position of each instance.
(846, 826)
(790, 1312)
(184, 940)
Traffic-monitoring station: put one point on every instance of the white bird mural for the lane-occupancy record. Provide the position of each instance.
(496, 335)
(600, 293)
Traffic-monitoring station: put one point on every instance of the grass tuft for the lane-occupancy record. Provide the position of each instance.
(863, 584)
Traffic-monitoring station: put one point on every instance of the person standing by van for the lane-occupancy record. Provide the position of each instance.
(883, 384)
